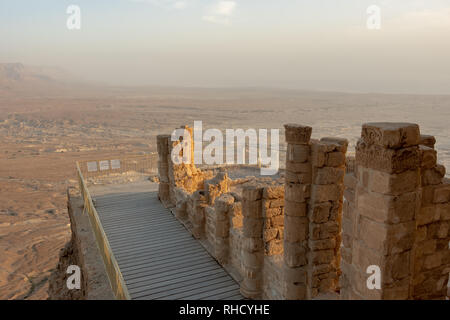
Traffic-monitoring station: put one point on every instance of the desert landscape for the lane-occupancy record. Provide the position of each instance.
(48, 123)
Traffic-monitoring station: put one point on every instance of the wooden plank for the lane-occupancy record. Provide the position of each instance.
(149, 288)
(210, 292)
(171, 261)
(138, 259)
(198, 261)
(187, 272)
(158, 257)
(171, 283)
(187, 288)
(137, 240)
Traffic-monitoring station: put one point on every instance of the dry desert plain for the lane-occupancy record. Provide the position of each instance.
(45, 129)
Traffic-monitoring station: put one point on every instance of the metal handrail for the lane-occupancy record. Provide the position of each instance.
(112, 268)
(146, 164)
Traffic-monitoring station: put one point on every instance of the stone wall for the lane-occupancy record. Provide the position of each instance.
(315, 236)
(314, 199)
(396, 217)
(82, 251)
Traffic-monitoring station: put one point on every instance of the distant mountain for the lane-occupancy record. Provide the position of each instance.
(16, 78)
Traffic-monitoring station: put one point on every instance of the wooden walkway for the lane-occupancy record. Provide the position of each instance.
(157, 256)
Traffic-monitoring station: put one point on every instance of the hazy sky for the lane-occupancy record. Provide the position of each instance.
(309, 44)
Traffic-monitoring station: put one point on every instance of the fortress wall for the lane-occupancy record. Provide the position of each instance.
(431, 254)
(397, 222)
(349, 228)
(333, 218)
(325, 215)
(314, 185)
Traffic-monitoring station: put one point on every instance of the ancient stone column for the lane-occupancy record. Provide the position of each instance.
(387, 202)
(181, 207)
(349, 227)
(431, 249)
(198, 214)
(253, 245)
(325, 215)
(273, 215)
(162, 143)
(222, 206)
(296, 227)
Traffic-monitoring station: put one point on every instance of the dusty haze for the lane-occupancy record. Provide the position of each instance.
(319, 45)
(138, 68)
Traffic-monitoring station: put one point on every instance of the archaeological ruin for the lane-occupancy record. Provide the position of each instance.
(330, 222)
(328, 226)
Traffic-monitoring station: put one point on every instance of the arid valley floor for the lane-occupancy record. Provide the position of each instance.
(44, 131)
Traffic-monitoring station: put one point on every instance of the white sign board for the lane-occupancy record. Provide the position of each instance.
(115, 164)
(104, 165)
(92, 166)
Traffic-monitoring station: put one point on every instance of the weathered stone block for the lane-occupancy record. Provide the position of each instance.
(428, 157)
(427, 140)
(426, 215)
(294, 254)
(294, 275)
(393, 267)
(272, 212)
(253, 244)
(443, 231)
(297, 134)
(350, 181)
(253, 228)
(349, 195)
(294, 291)
(432, 261)
(387, 208)
(277, 221)
(387, 160)
(443, 211)
(346, 254)
(316, 245)
(297, 192)
(298, 178)
(320, 212)
(273, 247)
(298, 153)
(387, 239)
(442, 193)
(252, 259)
(295, 209)
(340, 144)
(270, 234)
(224, 201)
(397, 291)
(335, 159)
(394, 184)
(252, 209)
(324, 231)
(277, 203)
(296, 229)
(252, 193)
(328, 175)
(433, 176)
(390, 134)
(426, 247)
(330, 192)
(304, 168)
(274, 192)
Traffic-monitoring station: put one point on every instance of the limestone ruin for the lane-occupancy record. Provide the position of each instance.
(314, 233)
